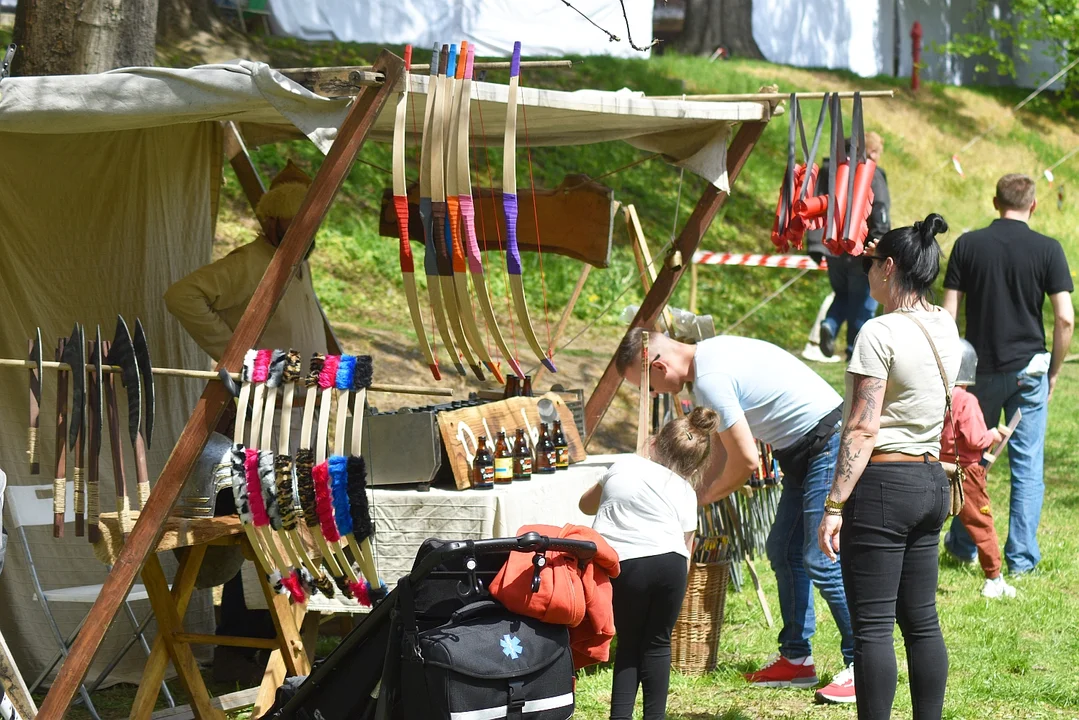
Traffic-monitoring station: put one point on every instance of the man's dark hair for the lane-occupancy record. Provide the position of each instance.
(916, 254)
(629, 350)
(1015, 192)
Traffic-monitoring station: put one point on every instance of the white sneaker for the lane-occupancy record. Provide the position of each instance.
(813, 353)
(997, 588)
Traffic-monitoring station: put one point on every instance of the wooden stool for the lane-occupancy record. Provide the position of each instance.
(290, 656)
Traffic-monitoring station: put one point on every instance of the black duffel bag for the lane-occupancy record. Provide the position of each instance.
(487, 663)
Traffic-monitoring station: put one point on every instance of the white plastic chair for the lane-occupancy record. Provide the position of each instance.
(31, 506)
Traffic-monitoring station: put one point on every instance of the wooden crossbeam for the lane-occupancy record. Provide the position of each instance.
(667, 279)
(297, 241)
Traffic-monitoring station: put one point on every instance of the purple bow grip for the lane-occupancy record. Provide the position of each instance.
(515, 63)
(513, 254)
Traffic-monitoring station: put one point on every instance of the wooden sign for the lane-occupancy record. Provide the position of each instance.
(576, 219)
(461, 430)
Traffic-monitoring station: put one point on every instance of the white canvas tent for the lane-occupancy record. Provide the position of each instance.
(109, 194)
(546, 27)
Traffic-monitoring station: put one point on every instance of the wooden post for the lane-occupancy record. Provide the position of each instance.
(566, 314)
(643, 256)
(688, 241)
(644, 402)
(294, 246)
(692, 286)
(251, 183)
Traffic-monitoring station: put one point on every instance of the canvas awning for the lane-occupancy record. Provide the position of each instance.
(271, 107)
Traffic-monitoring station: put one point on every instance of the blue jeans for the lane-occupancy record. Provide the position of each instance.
(1009, 392)
(852, 303)
(799, 564)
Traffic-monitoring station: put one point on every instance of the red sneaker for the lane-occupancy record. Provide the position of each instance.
(841, 689)
(782, 672)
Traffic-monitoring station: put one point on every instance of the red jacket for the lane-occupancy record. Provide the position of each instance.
(568, 594)
(974, 437)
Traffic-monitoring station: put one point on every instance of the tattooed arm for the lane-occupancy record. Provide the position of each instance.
(855, 447)
(859, 435)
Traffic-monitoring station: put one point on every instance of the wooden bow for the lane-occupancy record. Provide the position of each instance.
(439, 210)
(400, 203)
(458, 185)
(430, 260)
(509, 206)
(467, 212)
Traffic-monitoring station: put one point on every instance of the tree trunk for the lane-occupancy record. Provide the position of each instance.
(710, 24)
(74, 37)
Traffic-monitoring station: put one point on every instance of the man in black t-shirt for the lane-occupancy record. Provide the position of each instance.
(1005, 271)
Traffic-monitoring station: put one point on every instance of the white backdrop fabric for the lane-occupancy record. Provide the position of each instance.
(544, 27)
(92, 225)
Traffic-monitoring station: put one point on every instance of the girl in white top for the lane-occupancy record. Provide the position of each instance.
(646, 508)
(890, 496)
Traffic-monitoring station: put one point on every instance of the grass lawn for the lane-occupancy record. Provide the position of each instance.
(1009, 659)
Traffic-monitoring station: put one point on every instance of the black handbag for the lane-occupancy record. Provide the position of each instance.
(487, 663)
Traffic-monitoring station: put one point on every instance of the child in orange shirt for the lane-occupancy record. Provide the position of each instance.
(974, 439)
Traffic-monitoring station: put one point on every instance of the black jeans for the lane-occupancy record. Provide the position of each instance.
(888, 551)
(648, 594)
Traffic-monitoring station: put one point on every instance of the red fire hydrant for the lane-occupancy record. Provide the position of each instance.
(916, 53)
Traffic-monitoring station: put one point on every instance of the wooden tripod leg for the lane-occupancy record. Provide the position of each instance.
(291, 657)
(169, 624)
(760, 592)
(158, 662)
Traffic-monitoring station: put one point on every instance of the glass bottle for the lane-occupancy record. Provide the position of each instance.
(483, 467)
(561, 448)
(511, 386)
(526, 389)
(503, 461)
(522, 457)
(545, 452)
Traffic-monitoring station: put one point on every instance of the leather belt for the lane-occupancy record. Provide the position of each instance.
(877, 457)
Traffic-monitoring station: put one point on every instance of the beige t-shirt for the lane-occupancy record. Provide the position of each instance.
(893, 348)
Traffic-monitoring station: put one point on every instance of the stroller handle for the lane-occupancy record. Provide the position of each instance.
(529, 542)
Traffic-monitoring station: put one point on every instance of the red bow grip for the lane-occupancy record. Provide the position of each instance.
(857, 229)
(833, 235)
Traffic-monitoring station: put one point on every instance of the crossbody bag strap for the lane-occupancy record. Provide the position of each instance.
(943, 379)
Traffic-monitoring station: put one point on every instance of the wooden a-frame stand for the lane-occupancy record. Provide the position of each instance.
(148, 530)
(667, 279)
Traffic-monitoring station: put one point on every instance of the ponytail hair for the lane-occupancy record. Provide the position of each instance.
(683, 445)
(916, 254)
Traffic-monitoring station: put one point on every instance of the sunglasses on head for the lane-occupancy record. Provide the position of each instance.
(867, 262)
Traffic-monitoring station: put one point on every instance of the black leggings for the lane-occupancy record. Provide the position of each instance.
(648, 594)
(888, 550)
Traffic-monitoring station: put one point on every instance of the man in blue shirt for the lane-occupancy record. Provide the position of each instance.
(762, 392)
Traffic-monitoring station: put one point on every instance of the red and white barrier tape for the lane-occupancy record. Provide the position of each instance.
(794, 262)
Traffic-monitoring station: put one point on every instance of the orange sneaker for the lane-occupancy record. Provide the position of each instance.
(785, 672)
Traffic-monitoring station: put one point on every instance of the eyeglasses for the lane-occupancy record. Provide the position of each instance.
(867, 262)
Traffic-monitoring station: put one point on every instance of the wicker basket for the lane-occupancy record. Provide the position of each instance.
(695, 639)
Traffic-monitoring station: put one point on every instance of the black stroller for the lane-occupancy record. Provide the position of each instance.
(439, 647)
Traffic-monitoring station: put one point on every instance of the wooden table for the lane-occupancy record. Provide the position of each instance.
(292, 651)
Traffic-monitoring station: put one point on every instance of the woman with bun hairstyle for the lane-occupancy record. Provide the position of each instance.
(890, 497)
(646, 508)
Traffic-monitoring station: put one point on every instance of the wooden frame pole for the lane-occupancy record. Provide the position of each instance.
(667, 279)
(294, 246)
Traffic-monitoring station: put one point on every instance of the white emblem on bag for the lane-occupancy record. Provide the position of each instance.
(511, 647)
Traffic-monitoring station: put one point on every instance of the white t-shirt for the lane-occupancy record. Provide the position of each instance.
(778, 395)
(893, 348)
(645, 509)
